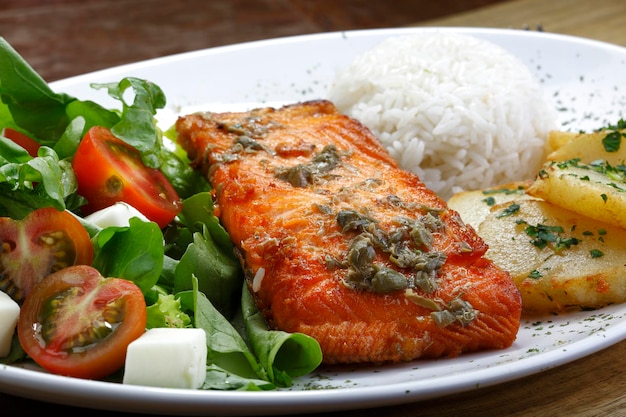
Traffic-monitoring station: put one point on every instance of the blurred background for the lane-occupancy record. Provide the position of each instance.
(61, 38)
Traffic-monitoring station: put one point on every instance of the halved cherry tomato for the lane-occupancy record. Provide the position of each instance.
(78, 323)
(42, 243)
(109, 170)
(21, 139)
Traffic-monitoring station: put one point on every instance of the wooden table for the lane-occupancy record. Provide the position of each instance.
(592, 386)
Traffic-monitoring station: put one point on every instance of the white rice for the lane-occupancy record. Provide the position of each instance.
(460, 112)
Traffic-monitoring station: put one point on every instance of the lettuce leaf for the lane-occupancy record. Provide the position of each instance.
(167, 312)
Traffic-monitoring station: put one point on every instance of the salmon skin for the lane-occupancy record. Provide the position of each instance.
(339, 243)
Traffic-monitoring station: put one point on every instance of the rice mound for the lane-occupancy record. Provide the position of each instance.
(460, 112)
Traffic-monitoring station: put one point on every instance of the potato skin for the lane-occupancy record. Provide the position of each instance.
(578, 188)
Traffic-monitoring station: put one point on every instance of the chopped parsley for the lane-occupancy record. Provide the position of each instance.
(612, 141)
(595, 253)
(543, 235)
(509, 211)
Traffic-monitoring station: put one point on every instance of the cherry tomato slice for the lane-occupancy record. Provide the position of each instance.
(109, 170)
(78, 323)
(43, 242)
(21, 139)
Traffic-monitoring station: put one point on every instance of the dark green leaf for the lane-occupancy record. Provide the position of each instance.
(283, 355)
(226, 349)
(218, 273)
(612, 142)
(136, 125)
(134, 253)
(32, 103)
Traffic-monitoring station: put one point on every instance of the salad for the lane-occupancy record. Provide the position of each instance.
(62, 160)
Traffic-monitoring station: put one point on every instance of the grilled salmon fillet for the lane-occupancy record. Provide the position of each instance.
(339, 243)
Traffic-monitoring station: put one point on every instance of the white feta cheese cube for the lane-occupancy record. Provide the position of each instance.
(168, 358)
(9, 312)
(118, 215)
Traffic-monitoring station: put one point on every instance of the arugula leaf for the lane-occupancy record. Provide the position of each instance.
(136, 125)
(27, 183)
(66, 146)
(93, 113)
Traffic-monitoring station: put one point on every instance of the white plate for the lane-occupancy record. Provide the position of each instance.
(583, 77)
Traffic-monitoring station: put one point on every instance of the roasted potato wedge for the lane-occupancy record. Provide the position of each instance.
(558, 138)
(561, 236)
(558, 259)
(475, 205)
(597, 191)
(588, 147)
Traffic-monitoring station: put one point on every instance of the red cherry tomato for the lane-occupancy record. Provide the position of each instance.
(21, 139)
(78, 323)
(43, 242)
(109, 170)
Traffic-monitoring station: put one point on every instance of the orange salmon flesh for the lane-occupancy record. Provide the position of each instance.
(339, 243)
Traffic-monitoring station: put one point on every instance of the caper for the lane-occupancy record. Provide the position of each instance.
(456, 310)
(387, 280)
(426, 281)
(353, 220)
(303, 175)
(327, 159)
(421, 235)
(299, 176)
(403, 256)
(250, 144)
(442, 318)
(360, 258)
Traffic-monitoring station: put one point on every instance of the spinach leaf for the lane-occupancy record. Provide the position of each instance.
(283, 355)
(29, 103)
(208, 256)
(198, 212)
(178, 170)
(218, 272)
(227, 352)
(220, 379)
(134, 253)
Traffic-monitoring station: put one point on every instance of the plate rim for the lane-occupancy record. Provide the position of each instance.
(331, 35)
(236, 402)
